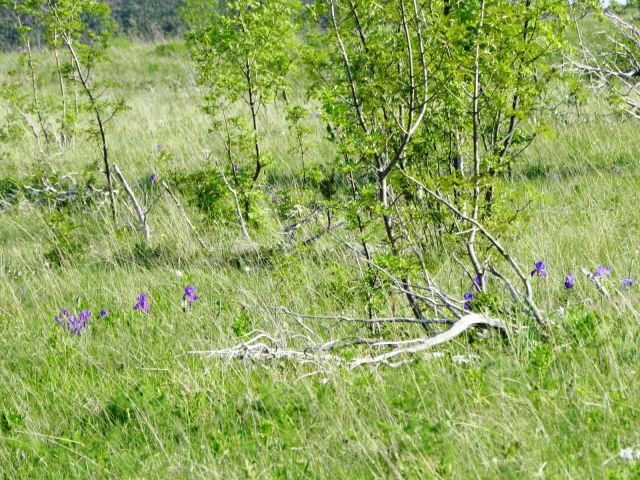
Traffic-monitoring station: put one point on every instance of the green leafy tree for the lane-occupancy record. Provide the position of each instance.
(295, 116)
(429, 105)
(83, 28)
(24, 93)
(243, 51)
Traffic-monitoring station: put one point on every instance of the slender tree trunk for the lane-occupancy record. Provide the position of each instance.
(103, 135)
(63, 121)
(34, 85)
(254, 120)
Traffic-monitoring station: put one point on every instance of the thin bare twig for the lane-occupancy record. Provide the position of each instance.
(142, 216)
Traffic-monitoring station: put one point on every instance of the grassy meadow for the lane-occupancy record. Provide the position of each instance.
(126, 400)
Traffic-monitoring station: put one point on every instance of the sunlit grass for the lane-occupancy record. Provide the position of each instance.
(126, 401)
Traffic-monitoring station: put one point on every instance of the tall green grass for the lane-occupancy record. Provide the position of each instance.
(127, 401)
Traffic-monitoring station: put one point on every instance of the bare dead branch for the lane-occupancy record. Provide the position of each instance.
(142, 216)
(593, 279)
(528, 295)
(467, 322)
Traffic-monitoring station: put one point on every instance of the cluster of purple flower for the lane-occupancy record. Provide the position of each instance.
(539, 270)
(74, 324)
(600, 272)
(142, 303)
(477, 284)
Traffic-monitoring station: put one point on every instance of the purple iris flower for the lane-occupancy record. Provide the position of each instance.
(72, 323)
(468, 298)
(142, 304)
(602, 271)
(82, 322)
(189, 296)
(539, 269)
(190, 293)
(103, 313)
(569, 280)
(627, 282)
(476, 281)
(154, 178)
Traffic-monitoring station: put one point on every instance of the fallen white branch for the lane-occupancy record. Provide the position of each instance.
(263, 347)
(467, 322)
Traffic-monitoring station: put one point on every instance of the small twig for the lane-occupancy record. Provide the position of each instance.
(314, 238)
(142, 218)
(236, 203)
(593, 279)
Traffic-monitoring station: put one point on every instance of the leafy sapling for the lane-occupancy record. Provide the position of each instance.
(84, 28)
(243, 50)
(296, 115)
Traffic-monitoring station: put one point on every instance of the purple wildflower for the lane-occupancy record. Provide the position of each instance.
(539, 269)
(154, 178)
(143, 303)
(627, 282)
(72, 320)
(82, 321)
(189, 296)
(190, 293)
(476, 281)
(569, 281)
(468, 298)
(72, 323)
(602, 272)
(60, 319)
(103, 313)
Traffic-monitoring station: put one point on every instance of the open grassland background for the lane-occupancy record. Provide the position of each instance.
(123, 401)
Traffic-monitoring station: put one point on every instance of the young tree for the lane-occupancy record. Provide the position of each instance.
(28, 102)
(84, 28)
(428, 103)
(243, 50)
